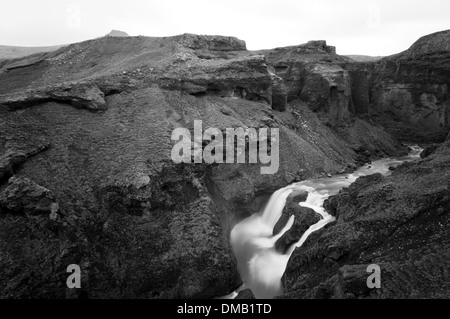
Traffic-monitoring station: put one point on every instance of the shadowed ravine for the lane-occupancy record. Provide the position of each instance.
(261, 266)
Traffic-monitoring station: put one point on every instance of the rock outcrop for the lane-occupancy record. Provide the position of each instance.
(81, 95)
(429, 150)
(246, 77)
(117, 33)
(24, 196)
(304, 217)
(211, 42)
(327, 89)
(290, 62)
(12, 159)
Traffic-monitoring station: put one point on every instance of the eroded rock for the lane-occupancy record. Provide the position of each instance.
(25, 196)
(304, 217)
(327, 89)
(81, 95)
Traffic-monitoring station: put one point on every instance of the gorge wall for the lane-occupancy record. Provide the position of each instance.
(407, 93)
(85, 170)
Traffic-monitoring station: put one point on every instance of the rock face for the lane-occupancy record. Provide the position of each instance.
(12, 159)
(361, 75)
(290, 62)
(304, 217)
(82, 95)
(398, 223)
(24, 196)
(279, 93)
(311, 72)
(408, 91)
(211, 42)
(246, 78)
(328, 89)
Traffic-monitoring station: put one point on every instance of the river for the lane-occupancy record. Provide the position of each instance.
(260, 265)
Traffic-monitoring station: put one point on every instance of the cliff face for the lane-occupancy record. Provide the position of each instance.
(408, 92)
(311, 73)
(85, 170)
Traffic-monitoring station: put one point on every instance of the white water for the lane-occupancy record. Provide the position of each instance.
(260, 265)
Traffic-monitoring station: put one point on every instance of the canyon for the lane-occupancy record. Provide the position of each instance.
(86, 176)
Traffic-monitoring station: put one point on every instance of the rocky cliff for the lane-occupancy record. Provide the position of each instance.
(311, 73)
(407, 93)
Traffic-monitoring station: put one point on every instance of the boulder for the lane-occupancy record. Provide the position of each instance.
(25, 196)
(245, 294)
(429, 150)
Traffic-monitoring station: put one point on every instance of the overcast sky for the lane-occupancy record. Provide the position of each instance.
(374, 27)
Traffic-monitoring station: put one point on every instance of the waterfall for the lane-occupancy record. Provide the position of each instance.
(260, 265)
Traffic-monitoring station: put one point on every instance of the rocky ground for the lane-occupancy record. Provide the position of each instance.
(85, 170)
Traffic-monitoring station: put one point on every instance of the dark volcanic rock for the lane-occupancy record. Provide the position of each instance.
(361, 77)
(429, 150)
(304, 217)
(12, 159)
(410, 89)
(279, 93)
(328, 89)
(245, 294)
(24, 196)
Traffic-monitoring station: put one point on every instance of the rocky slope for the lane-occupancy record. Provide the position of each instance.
(85, 170)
